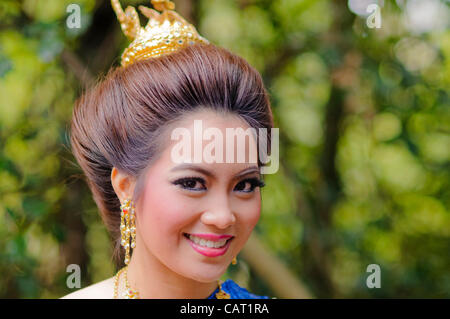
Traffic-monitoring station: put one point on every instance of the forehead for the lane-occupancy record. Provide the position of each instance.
(197, 125)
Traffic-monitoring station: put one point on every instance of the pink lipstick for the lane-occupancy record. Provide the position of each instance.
(212, 237)
(210, 251)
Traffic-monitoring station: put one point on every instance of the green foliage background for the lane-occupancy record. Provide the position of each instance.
(364, 124)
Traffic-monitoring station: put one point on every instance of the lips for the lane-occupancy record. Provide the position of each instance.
(210, 251)
(212, 237)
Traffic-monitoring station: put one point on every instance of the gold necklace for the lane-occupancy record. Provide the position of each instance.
(134, 294)
(221, 294)
(128, 293)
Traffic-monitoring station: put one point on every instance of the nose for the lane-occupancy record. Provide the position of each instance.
(220, 215)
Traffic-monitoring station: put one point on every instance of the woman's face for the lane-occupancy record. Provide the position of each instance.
(204, 198)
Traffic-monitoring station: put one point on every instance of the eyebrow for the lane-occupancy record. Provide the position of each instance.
(193, 167)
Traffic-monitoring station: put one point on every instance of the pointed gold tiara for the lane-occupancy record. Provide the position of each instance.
(164, 33)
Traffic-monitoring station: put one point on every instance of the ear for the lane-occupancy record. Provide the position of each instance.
(123, 184)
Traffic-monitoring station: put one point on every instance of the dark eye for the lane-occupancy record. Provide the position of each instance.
(191, 183)
(248, 185)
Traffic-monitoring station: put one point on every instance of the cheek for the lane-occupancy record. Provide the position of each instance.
(161, 217)
(249, 213)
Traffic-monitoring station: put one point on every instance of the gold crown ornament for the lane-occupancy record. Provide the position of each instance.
(164, 33)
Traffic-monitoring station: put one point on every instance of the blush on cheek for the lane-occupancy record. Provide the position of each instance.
(250, 214)
(254, 218)
(164, 212)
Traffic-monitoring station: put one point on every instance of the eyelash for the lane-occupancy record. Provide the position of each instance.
(254, 182)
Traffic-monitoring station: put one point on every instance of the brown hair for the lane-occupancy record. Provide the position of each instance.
(118, 123)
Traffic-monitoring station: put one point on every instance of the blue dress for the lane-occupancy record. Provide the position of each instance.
(235, 291)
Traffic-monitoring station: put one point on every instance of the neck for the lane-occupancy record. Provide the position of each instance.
(154, 280)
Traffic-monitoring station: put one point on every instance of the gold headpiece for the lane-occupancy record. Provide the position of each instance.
(164, 33)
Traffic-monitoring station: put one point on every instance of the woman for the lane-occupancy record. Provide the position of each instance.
(180, 223)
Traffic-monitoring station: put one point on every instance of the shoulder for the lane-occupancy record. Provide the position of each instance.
(238, 292)
(101, 290)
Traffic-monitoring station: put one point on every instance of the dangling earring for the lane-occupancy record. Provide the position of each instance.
(127, 228)
(234, 261)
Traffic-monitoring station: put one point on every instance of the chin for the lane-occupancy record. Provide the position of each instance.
(206, 273)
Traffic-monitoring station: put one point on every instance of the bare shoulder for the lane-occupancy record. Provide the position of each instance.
(101, 290)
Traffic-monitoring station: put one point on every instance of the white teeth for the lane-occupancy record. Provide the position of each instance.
(208, 243)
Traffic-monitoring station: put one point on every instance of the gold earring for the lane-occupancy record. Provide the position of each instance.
(127, 227)
(234, 261)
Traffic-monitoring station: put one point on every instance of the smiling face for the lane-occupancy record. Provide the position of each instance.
(179, 200)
